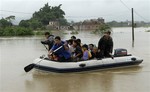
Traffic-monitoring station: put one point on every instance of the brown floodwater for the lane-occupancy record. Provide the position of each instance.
(18, 52)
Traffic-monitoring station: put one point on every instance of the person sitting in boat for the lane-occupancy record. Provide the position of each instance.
(105, 44)
(90, 47)
(49, 40)
(70, 45)
(53, 57)
(73, 37)
(77, 55)
(63, 52)
(79, 41)
(95, 53)
(86, 53)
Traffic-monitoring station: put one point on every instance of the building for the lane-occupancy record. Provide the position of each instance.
(92, 24)
(53, 25)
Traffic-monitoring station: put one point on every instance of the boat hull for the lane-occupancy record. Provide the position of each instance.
(90, 65)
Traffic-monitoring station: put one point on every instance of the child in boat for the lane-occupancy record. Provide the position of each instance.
(86, 54)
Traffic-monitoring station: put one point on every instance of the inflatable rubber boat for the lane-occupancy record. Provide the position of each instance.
(120, 59)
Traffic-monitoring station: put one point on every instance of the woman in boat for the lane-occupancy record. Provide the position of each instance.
(77, 55)
(63, 53)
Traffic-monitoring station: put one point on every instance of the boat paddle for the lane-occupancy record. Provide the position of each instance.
(45, 47)
(31, 66)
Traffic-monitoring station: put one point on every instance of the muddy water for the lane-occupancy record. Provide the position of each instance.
(17, 52)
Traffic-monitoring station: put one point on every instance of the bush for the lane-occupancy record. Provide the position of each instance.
(102, 29)
(15, 31)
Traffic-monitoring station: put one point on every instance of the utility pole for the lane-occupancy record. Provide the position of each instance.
(132, 26)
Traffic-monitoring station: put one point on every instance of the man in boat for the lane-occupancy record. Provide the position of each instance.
(62, 53)
(105, 45)
(49, 40)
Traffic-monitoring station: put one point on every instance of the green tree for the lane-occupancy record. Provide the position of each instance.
(34, 24)
(103, 28)
(24, 23)
(4, 23)
(10, 18)
(48, 13)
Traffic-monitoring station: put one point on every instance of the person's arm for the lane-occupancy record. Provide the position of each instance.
(45, 42)
(100, 43)
(51, 50)
(66, 47)
(79, 51)
(111, 44)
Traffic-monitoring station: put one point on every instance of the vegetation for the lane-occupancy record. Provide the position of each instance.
(42, 17)
(147, 30)
(128, 24)
(103, 28)
(39, 20)
(15, 31)
(41, 32)
(74, 32)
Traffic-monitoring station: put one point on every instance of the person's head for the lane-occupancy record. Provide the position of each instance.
(57, 40)
(79, 41)
(95, 50)
(70, 42)
(47, 34)
(107, 33)
(73, 37)
(75, 43)
(85, 47)
(91, 46)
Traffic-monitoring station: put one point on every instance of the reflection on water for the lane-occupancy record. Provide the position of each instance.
(17, 52)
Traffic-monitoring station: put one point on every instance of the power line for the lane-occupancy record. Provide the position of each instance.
(125, 4)
(140, 16)
(134, 11)
(15, 12)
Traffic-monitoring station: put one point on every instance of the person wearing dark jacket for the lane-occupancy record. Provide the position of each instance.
(49, 40)
(105, 45)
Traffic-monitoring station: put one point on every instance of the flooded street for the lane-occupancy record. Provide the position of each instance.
(18, 52)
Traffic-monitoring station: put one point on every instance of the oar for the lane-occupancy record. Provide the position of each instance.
(31, 66)
(46, 47)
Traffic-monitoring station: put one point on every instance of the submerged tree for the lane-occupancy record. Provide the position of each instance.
(103, 28)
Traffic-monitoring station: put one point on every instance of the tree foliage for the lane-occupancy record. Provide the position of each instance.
(47, 13)
(15, 31)
(10, 18)
(42, 17)
(103, 28)
(4, 23)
